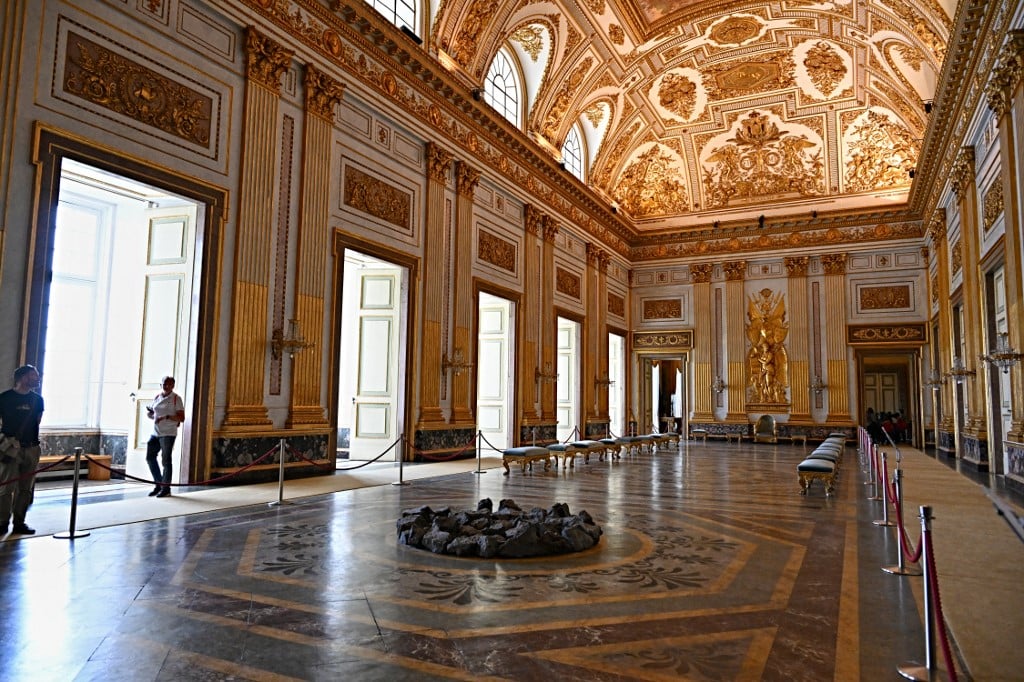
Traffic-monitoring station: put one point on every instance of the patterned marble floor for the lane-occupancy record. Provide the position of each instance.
(711, 567)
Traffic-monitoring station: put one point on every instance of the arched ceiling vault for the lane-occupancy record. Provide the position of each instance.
(724, 111)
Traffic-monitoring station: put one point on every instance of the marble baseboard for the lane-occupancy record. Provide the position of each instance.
(232, 453)
(974, 452)
(442, 443)
(114, 444)
(538, 433)
(596, 430)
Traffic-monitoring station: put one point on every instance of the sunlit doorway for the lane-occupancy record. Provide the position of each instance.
(567, 387)
(370, 365)
(616, 384)
(495, 369)
(121, 313)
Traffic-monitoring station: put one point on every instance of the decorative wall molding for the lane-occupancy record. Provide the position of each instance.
(494, 250)
(377, 198)
(888, 297)
(667, 341)
(902, 334)
(662, 309)
(567, 283)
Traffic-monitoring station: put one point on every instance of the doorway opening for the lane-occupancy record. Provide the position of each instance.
(371, 362)
(888, 392)
(120, 313)
(664, 395)
(998, 379)
(616, 384)
(495, 370)
(567, 386)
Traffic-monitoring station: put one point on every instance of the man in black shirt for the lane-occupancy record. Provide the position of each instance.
(21, 409)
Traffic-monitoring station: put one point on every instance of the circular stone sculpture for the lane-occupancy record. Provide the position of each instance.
(509, 532)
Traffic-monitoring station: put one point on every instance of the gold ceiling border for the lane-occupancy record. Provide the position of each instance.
(960, 89)
(439, 100)
(894, 334)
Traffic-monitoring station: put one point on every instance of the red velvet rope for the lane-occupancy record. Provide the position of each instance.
(208, 481)
(940, 620)
(33, 473)
(318, 465)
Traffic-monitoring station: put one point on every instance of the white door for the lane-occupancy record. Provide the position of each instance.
(494, 367)
(617, 387)
(375, 385)
(567, 386)
(1005, 406)
(166, 281)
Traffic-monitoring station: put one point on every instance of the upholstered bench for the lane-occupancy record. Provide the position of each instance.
(613, 447)
(812, 469)
(733, 435)
(590, 446)
(568, 452)
(795, 438)
(525, 456)
(699, 433)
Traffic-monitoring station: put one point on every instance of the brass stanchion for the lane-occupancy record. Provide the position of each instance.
(479, 448)
(280, 477)
(884, 521)
(71, 534)
(916, 671)
(401, 462)
(900, 568)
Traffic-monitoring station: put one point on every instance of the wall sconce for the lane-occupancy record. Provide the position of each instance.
(718, 385)
(546, 375)
(603, 381)
(959, 372)
(935, 380)
(290, 342)
(1002, 356)
(817, 386)
(457, 364)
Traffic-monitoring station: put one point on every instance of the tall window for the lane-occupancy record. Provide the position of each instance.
(572, 153)
(399, 12)
(501, 87)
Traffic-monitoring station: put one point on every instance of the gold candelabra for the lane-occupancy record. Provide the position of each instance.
(817, 386)
(1002, 356)
(718, 385)
(546, 375)
(291, 341)
(958, 372)
(457, 364)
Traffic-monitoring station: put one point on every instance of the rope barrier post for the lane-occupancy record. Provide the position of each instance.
(280, 477)
(884, 522)
(871, 465)
(401, 462)
(900, 568)
(914, 670)
(71, 534)
(879, 476)
(479, 452)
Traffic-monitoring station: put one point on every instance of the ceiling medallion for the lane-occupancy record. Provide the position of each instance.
(678, 94)
(748, 76)
(735, 30)
(651, 186)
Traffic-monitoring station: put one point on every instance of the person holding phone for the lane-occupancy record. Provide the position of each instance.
(167, 412)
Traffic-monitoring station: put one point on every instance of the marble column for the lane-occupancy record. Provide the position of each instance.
(1005, 94)
(964, 184)
(700, 275)
(464, 301)
(549, 323)
(735, 341)
(799, 340)
(322, 96)
(835, 339)
(266, 63)
(439, 162)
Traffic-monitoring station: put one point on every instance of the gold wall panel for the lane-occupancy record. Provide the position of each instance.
(567, 283)
(371, 195)
(663, 309)
(885, 298)
(496, 251)
(666, 341)
(887, 333)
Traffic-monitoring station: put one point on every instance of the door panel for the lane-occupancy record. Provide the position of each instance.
(566, 400)
(493, 402)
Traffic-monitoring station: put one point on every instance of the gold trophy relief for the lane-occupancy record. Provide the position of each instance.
(767, 359)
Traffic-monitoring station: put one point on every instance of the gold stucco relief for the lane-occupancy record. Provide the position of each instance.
(767, 359)
(653, 185)
(881, 153)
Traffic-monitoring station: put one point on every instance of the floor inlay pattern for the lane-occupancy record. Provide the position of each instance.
(711, 567)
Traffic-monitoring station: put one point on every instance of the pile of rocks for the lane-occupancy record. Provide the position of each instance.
(509, 532)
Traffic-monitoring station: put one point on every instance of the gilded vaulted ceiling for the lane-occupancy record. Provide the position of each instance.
(697, 112)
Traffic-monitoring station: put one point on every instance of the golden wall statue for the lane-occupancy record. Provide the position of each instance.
(767, 359)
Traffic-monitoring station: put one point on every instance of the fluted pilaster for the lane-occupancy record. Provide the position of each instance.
(464, 301)
(799, 337)
(266, 63)
(735, 341)
(530, 364)
(700, 275)
(835, 338)
(431, 339)
(322, 96)
(549, 326)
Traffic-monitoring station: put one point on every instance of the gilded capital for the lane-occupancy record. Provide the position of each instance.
(597, 257)
(700, 273)
(266, 61)
(962, 174)
(466, 179)
(796, 266)
(322, 93)
(533, 220)
(550, 228)
(438, 162)
(735, 271)
(937, 227)
(834, 263)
